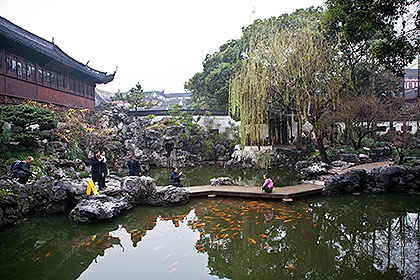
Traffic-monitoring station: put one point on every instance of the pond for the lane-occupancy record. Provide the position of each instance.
(201, 175)
(349, 237)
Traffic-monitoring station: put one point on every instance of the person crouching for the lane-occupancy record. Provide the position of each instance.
(268, 184)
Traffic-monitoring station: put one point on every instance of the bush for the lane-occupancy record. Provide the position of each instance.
(29, 122)
(84, 174)
(207, 146)
(5, 191)
(73, 151)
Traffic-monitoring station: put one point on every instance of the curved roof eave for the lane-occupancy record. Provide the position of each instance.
(49, 49)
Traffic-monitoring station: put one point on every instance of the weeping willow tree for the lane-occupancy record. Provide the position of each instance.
(290, 68)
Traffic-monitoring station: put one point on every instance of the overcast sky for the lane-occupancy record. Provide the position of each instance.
(158, 43)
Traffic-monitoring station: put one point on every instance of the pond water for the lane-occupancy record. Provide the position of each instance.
(349, 237)
(201, 175)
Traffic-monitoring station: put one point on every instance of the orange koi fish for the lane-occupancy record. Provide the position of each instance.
(252, 240)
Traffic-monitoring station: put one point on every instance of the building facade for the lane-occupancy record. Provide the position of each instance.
(36, 69)
(411, 79)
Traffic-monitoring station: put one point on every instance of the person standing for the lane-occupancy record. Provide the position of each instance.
(268, 184)
(22, 170)
(175, 179)
(96, 169)
(134, 167)
(104, 169)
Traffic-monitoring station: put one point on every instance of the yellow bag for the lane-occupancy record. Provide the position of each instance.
(91, 188)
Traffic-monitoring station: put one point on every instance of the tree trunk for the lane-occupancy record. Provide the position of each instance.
(374, 134)
(321, 148)
(299, 136)
(332, 137)
(284, 130)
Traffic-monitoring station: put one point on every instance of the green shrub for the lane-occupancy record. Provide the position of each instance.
(73, 151)
(5, 191)
(22, 116)
(207, 146)
(84, 174)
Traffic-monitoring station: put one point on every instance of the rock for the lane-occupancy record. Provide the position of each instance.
(353, 181)
(168, 195)
(220, 181)
(350, 158)
(391, 178)
(364, 158)
(57, 147)
(315, 170)
(59, 173)
(385, 179)
(137, 188)
(113, 186)
(301, 164)
(378, 153)
(100, 207)
(342, 164)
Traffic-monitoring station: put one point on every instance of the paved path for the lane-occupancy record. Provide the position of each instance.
(368, 166)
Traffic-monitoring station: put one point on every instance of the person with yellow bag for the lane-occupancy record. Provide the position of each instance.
(95, 162)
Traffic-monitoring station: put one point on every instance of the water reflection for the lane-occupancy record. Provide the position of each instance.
(347, 237)
(201, 175)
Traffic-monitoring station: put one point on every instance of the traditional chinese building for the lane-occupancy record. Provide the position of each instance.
(411, 79)
(36, 69)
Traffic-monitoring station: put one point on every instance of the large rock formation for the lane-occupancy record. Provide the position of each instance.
(253, 157)
(385, 179)
(65, 195)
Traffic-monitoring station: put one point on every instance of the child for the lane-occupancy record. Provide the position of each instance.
(268, 184)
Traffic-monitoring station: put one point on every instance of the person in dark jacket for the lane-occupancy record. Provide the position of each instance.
(96, 169)
(104, 169)
(175, 178)
(134, 167)
(22, 171)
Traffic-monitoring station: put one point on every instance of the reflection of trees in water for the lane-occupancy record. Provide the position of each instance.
(365, 237)
(201, 175)
(50, 247)
(358, 237)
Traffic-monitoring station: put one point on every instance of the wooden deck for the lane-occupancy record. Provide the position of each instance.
(285, 194)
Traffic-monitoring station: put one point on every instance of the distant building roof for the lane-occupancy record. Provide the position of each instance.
(411, 73)
(177, 95)
(411, 95)
(10, 31)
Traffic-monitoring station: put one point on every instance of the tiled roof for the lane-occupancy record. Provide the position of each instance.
(23, 37)
(410, 73)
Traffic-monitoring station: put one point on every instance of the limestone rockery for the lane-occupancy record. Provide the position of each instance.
(66, 196)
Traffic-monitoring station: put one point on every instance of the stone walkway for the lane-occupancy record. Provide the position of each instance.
(368, 166)
(285, 194)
